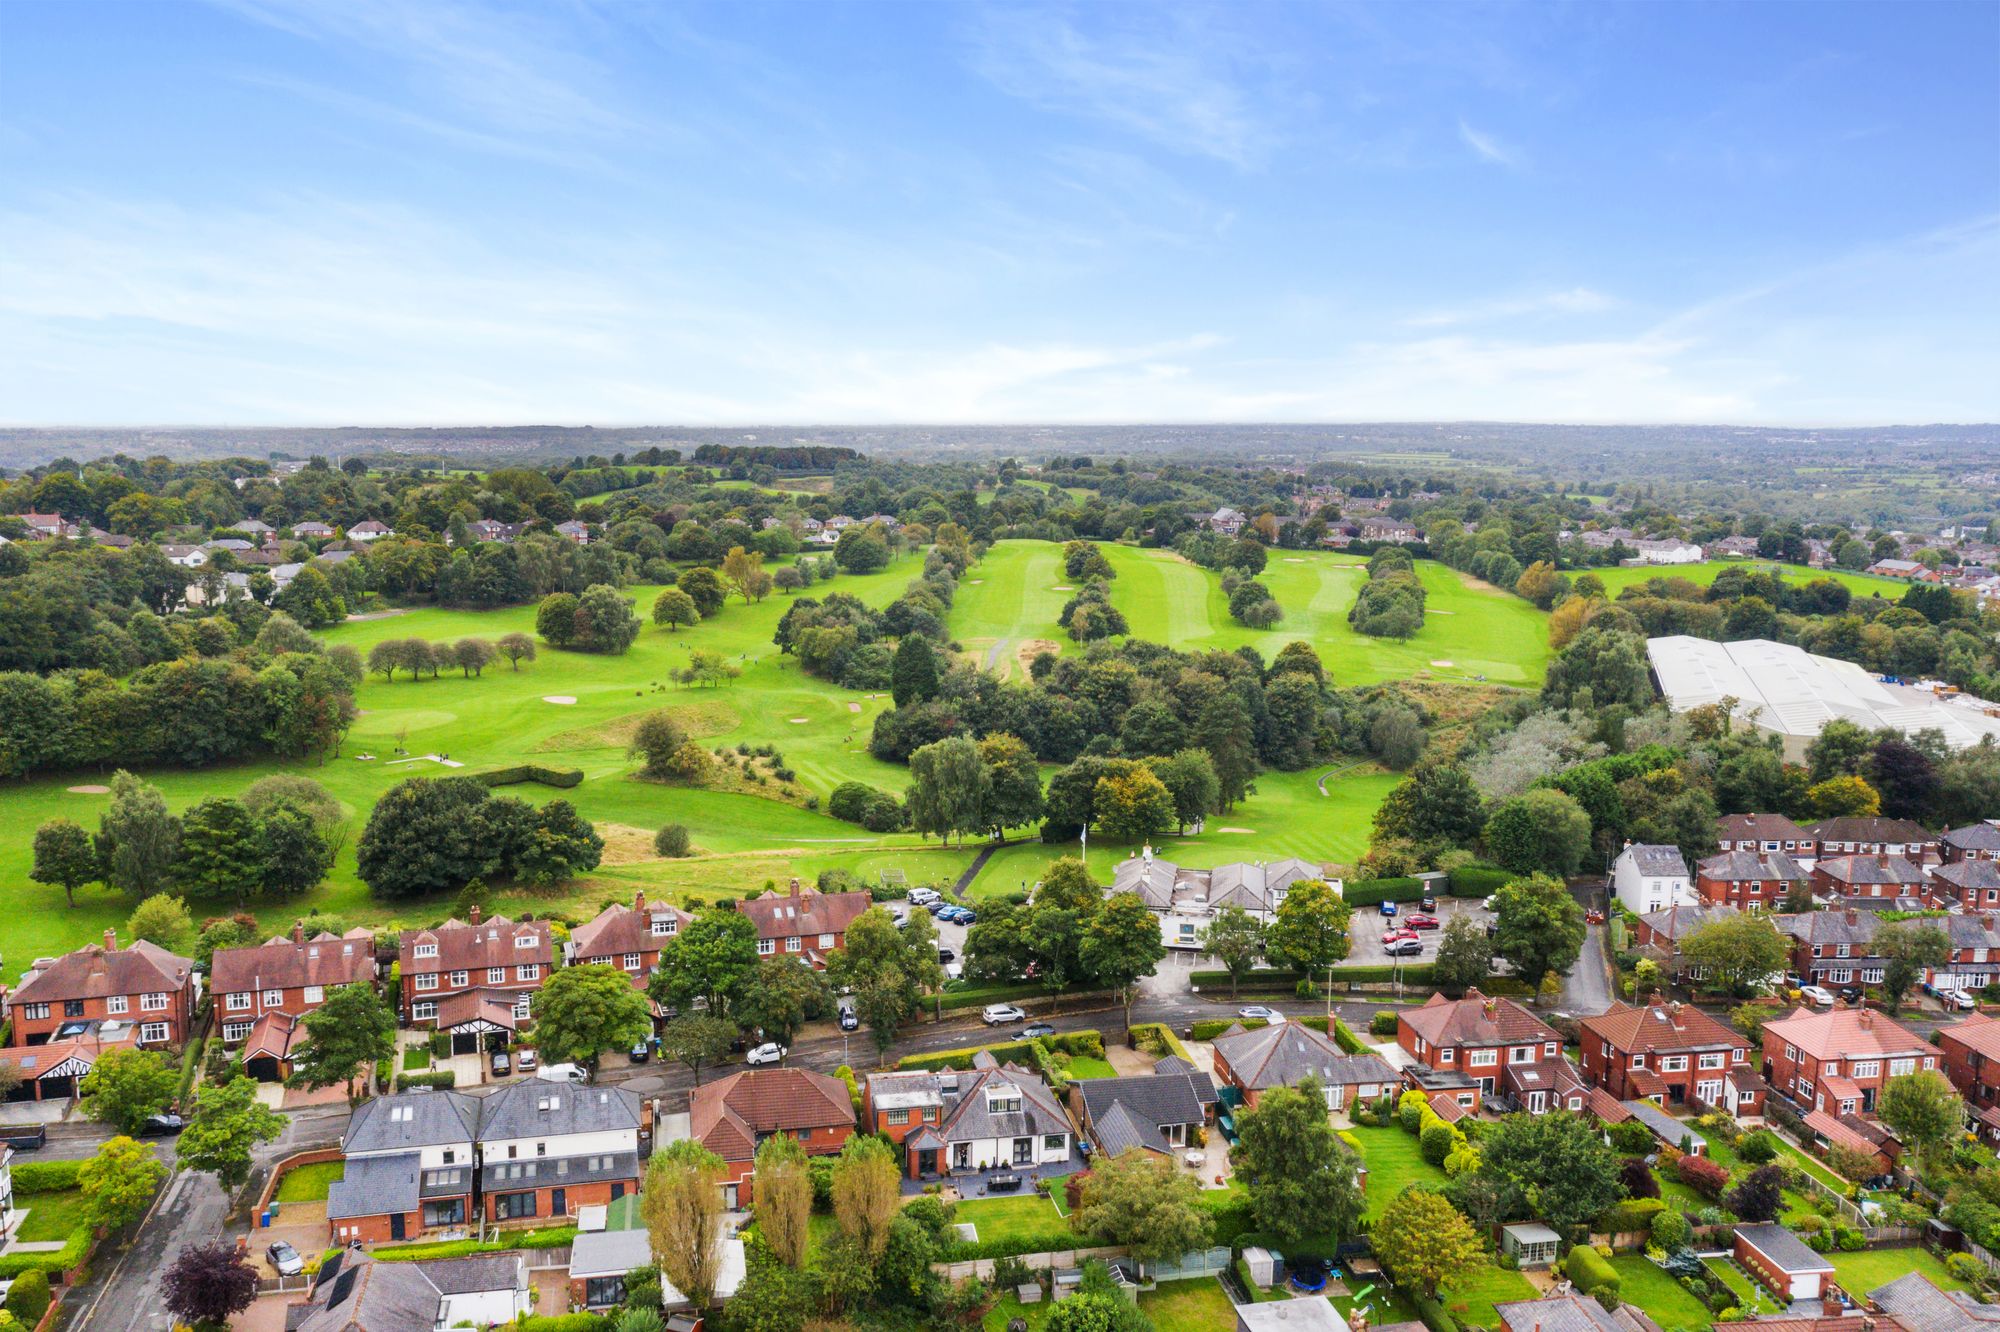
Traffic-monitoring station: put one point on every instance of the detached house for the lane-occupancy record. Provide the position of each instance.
(628, 937)
(991, 1117)
(1967, 885)
(1748, 880)
(548, 1148)
(1477, 1046)
(369, 530)
(1837, 1060)
(410, 1166)
(1284, 1054)
(1649, 877)
(1877, 875)
(1673, 1054)
(1975, 841)
(143, 985)
(475, 977)
(1872, 835)
(290, 976)
(1971, 1054)
(805, 923)
(731, 1115)
(1156, 1112)
(1186, 900)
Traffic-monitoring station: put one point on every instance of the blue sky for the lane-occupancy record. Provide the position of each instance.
(433, 211)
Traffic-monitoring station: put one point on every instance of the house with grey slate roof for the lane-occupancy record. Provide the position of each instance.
(353, 1292)
(1284, 1054)
(1916, 1302)
(411, 1166)
(994, 1117)
(548, 1148)
(1650, 877)
(1157, 1112)
(1186, 899)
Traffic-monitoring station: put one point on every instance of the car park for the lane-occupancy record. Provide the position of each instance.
(285, 1259)
(999, 1015)
(1815, 995)
(1259, 1011)
(1404, 948)
(1420, 922)
(770, 1052)
(1034, 1030)
(1388, 908)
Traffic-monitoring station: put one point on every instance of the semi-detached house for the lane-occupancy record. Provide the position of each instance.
(474, 978)
(628, 938)
(410, 1167)
(1478, 1046)
(290, 975)
(1673, 1054)
(804, 923)
(144, 985)
(1838, 1060)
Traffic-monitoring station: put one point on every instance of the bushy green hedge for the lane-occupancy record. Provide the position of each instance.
(1055, 1239)
(1229, 1212)
(1264, 981)
(1089, 1044)
(45, 1176)
(29, 1299)
(548, 1237)
(1157, 1039)
(443, 1077)
(1434, 1315)
(1344, 1037)
(570, 1322)
(1372, 892)
(1589, 1272)
(562, 778)
(1478, 880)
(1632, 1215)
(1210, 1028)
(978, 996)
(74, 1250)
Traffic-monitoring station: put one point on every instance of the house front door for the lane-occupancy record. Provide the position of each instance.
(396, 1226)
(558, 1202)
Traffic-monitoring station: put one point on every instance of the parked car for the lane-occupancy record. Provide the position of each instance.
(849, 1020)
(1420, 922)
(1851, 995)
(525, 1061)
(163, 1125)
(770, 1052)
(562, 1073)
(501, 1064)
(923, 896)
(1428, 902)
(954, 971)
(998, 1015)
(1399, 936)
(285, 1259)
(1388, 908)
(1259, 1011)
(641, 1052)
(1033, 1030)
(946, 955)
(1816, 995)
(1403, 948)
(938, 908)
(966, 916)
(1958, 999)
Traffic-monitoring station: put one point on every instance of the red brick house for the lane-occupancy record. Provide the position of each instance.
(1492, 1043)
(410, 1166)
(1748, 880)
(51, 1070)
(460, 957)
(1660, 934)
(1975, 841)
(1970, 1051)
(1838, 1059)
(1975, 952)
(1671, 1053)
(1835, 947)
(628, 937)
(1873, 835)
(1967, 885)
(732, 1115)
(1862, 1136)
(1877, 875)
(804, 923)
(289, 975)
(143, 985)
(1764, 834)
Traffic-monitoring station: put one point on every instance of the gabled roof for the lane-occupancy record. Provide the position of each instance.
(99, 971)
(379, 1186)
(1783, 1248)
(1476, 1020)
(1917, 1303)
(1571, 1312)
(1978, 1032)
(1845, 1033)
(1682, 919)
(1871, 828)
(1153, 1101)
(1738, 866)
(1973, 837)
(1661, 1027)
(1286, 1053)
(291, 962)
(463, 945)
(536, 1109)
(274, 1034)
(621, 929)
(1848, 926)
(968, 1115)
(803, 911)
(728, 1116)
(1969, 873)
(409, 1120)
(356, 1293)
(1653, 858)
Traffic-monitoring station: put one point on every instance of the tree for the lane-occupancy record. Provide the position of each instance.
(352, 1030)
(1555, 1165)
(654, 740)
(1424, 1243)
(137, 839)
(206, 1285)
(1066, 883)
(604, 620)
(1014, 783)
(1142, 1202)
(740, 569)
(1132, 805)
(783, 1197)
(779, 996)
(164, 920)
(516, 648)
(695, 1039)
(674, 608)
(1223, 728)
(948, 788)
(222, 849)
(424, 837)
(1760, 1196)
(1843, 797)
(1464, 955)
(64, 857)
(861, 550)
(867, 1193)
(707, 668)
(1121, 946)
(1923, 1109)
(888, 970)
(228, 1121)
(1303, 1180)
(1436, 803)
(555, 619)
(582, 1011)
(1739, 951)
(1542, 830)
(126, 1087)
(706, 961)
(1912, 947)
(1308, 933)
(913, 677)
(682, 1206)
(1189, 777)
(1235, 938)
(561, 845)
(28, 1299)
(297, 855)
(704, 585)
(118, 1182)
(1539, 929)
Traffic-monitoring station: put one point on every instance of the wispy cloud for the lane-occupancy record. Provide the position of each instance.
(1487, 146)
(1574, 301)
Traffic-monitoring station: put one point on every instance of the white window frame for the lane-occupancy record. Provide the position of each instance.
(461, 978)
(494, 975)
(424, 950)
(315, 994)
(528, 971)
(273, 998)
(631, 961)
(236, 1000)
(766, 947)
(117, 1003)
(425, 1011)
(424, 980)
(153, 1003)
(152, 1033)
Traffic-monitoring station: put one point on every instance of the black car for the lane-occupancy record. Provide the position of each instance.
(1428, 902)
(641, 1052)
(946, 955)
(161, 1126)
(502, 1064)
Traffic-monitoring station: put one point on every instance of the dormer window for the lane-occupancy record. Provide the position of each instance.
(425, 950)
(665, 925)
(524, 941)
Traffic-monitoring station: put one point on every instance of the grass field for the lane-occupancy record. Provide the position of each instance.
(1472, 1297)
(1395, 1163)
(1197, 1305)
(1641, 1282)
(1862, 585)
(1859, 1273)
(309, 1183)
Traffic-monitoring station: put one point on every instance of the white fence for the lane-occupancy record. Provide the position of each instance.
(1200, 1263)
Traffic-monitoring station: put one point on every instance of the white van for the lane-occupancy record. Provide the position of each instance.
(923, 896)
(569, 1073)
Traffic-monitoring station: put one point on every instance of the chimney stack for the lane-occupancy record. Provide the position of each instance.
(298, 933)
(111, 941)
(639, 901)
(1882, 861)
(474, 914)
(1867, 1018)
(1853, 916)
(795, 886)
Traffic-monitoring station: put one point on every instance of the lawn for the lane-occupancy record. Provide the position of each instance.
(1862, 585)
(1195, 1305)
(1859, 1273)
(1010, 1218)
(1641, 1282)
(1083, 1066)
(1008, 1309)
(416, 1058)
(309, 1183)
(51, 1216)
(1472, 1299)
(1395, 1163)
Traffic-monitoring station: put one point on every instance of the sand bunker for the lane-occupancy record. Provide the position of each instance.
(88, 789)
(1062, 587)
(564, 699)
(798, 721)
(1236, 830)
(1294, 559)
(1032, 648)
(1442, 663)
(854, 707)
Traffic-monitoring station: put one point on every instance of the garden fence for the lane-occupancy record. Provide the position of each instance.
(1200, 1263)
(1049, 1260)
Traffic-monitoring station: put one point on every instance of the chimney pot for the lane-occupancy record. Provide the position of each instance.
(795, 886)
(639, 900)
(1867, 1018)
(298, 932)
(111, 941)
(474, 915)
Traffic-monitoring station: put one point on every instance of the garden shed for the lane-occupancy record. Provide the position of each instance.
(1530, 1244)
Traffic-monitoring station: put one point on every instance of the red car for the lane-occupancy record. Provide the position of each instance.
(1420, 922)
(1400, 936)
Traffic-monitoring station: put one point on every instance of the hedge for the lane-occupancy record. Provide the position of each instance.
(1053, 1240)
(1434, 1315)
(1478, 880)
(1210, 1028)
(1588, 1271)
(45, 1176)
(1265, 980)
(1344, 1037)
(1229, 1211)
(548, 1237)
(1629, 1217)
(74, 1250)
(1371, 892)
(563, 778)
(443, 1077)
(1089, 1044)
(978, 996)
(1157, 1036)
(570, 1322)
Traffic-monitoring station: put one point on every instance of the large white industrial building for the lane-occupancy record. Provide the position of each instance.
(1792, 693)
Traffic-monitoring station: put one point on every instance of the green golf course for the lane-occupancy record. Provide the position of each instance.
(1702, 574)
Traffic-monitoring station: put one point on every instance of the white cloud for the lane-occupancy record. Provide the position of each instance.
(1574, 301)
(1487, 146)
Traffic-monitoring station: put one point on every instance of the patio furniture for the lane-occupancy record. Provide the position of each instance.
(1002, 1183)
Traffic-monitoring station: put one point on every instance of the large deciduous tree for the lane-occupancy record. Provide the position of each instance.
(1924, 1109)
(867, 1194)
(1911, 947)
(1142, 1202)
(138, 840)
(1464, 955)
(682, 1207)
(424, 837)
(126, 1087)
(1303, 1180)
(1309, 931)
(1539, 831)
(582, 1011)
(695, 1039)
(352, 1030)
(948, 788)
(779, 997)
(1540, 928)
(1132, 806)
(1424, 1243)
(118, 1182)
(222, 850)
(1555, 1165)
(228, 1121)
(1235, 938)
(783, 1198)
(706, 961)
(1121, 946)
(64, 857)
(1737, 951)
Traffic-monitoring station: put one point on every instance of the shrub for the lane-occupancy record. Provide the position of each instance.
(1965, 1267)
(1759, 1148)
(45, 1176)
(1633, 1216)
(1434, 1316)
(570, 1322)
(1638, 1178)
(1588, 1271)
(1671, 1230)
(1631, 1137)
(1606, 1297)
(671, 841)
(1436, 1142)
(29, 1298)
(443, 1077)
(1702, 1175)
(1410, 1111)
(1382, 1024)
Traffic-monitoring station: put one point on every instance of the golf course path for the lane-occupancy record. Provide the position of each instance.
(993, 653)
(972, 870)
(1335, 771)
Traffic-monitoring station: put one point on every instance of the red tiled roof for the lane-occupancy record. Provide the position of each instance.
(803, 912)
(273, 1035)
(1608, 1108)
(728, 1116)
(1476, 1020)
(1661, 1027)
(494, 1006)
(1978, 1032)
(480, 943)
(1840, 1089)
(97, 972)
(621, 929)
(1845, 1033)
(288, 963)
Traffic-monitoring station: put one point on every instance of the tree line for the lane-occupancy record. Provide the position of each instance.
(471, 656)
